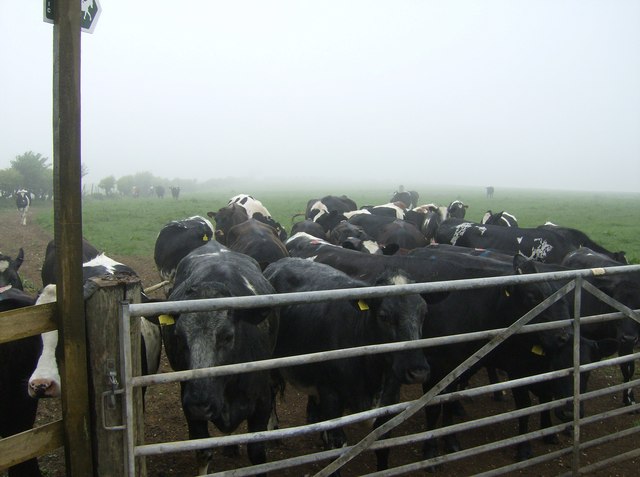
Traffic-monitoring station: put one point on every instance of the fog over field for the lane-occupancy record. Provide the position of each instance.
(528, 94)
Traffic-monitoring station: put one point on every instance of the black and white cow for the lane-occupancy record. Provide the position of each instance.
(624, 288)
(237, 208)
(49, 270)
(215, 338)
(17, 361)
(500, 218)
(175, 240)
(543, 243)
(258, 240)
(45, 379)
(358, 383)
(408, 198)
(329, 211)
(457, 209)
(23, 201)
(9, 271)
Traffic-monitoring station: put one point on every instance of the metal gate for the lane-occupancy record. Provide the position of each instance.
(403, 411)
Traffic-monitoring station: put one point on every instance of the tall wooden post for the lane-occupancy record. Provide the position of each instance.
(68, 237)
(103, 315)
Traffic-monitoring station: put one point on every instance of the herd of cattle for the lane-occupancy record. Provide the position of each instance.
(338, 246)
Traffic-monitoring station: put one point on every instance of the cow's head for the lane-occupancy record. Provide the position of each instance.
(226, 218)
(9, 270)
(213, 338)
(399, 318)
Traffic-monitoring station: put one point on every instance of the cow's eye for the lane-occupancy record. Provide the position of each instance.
(225, 338)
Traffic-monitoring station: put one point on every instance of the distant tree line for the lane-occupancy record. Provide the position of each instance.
(30, 171)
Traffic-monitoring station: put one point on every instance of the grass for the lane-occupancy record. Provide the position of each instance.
(130, 226)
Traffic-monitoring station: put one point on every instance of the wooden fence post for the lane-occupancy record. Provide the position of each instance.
(103, 351)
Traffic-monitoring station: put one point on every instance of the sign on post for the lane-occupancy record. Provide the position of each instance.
(90, 11)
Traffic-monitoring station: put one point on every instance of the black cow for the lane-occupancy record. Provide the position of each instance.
(579, 239)
(9, 271)
(159, 191)
(175, 191)
(45, 379)
(258, 240)
(226, 218)
(17, 361)
(499, 218)
(214, 338)
(175, 240)
(310, 227)
(545, 244)
(353, 383)
(460, 311)
(49, 270)
(23, 201)
(624, 288)
(402, 234)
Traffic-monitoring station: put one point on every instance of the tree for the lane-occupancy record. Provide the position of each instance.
(108, 184)
(10, 180)
(36, 173)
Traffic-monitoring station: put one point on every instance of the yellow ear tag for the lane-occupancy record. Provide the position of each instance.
(205, 238)
(363, 305)
(537, 349)
(166, 320)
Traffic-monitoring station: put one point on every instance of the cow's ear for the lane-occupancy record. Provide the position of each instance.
(390, 249)
(522, 265)
(211, 215)
(255, 316)
(435, 297)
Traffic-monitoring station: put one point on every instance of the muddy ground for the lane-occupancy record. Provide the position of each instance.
(164, 420)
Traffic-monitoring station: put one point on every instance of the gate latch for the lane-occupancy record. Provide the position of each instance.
(109, 396)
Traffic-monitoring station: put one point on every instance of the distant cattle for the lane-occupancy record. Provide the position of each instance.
(159, 191)
(174, 242)
(500, 218)
(545, 244)
(624, 288)
(9, 267)
(490, 191)
(215, 338)
(258, 240)
(23, 201)
(17, 361)
(175, 191)
(45, 380)
(357, 383)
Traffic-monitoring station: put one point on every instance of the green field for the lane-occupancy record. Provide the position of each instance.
(130, 226)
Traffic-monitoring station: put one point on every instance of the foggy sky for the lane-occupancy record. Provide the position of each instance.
(536, 94)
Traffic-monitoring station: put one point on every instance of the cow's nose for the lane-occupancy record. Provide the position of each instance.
(38, 388)
(417, 375)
